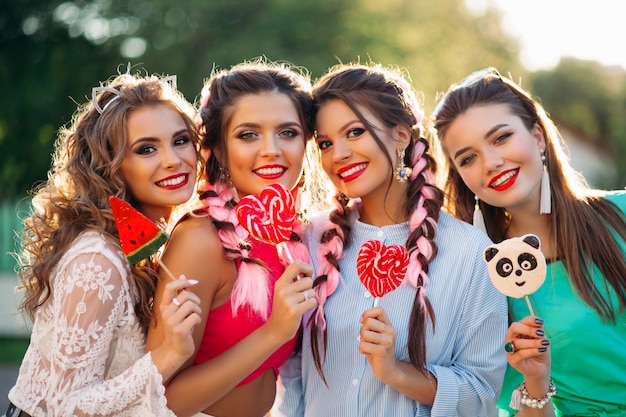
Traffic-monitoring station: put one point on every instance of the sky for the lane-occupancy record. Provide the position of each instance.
(550, 29)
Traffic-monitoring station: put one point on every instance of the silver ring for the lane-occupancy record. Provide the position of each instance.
(306, 295)
(176, 302)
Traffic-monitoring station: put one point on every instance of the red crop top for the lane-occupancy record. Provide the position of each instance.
(223, 330)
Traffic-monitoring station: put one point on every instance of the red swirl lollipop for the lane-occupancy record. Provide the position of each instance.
(381, 268)
(269, 216)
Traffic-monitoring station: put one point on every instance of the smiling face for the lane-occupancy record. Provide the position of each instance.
(159, 165)
(497, 157)
(351, 157)
(265, 143)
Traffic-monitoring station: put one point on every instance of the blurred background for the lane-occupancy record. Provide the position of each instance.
(52, 52)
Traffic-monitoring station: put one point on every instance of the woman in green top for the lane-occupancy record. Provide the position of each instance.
(508, 172)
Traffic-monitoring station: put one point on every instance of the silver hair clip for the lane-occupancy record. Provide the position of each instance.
(170, 80)
(94, 97)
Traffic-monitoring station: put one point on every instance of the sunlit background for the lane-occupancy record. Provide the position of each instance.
(568, 53)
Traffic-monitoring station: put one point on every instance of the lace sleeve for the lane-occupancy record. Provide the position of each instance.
(97, 361)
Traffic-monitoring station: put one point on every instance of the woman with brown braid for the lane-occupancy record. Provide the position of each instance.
(432, 346)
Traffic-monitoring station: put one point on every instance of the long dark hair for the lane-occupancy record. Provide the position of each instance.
(582, 219)
(385, 93)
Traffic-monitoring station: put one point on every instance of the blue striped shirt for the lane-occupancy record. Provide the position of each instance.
(464, 352)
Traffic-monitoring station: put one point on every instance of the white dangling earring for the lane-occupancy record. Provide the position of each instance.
(545, 203)
(402, 172)
(479, 220)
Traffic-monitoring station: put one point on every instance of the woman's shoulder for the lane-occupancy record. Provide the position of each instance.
(195, 231)
(92, 247)
(93, 241)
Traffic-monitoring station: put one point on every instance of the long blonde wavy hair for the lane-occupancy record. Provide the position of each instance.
(85, 172)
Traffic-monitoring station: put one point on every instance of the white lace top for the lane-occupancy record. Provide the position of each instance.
(87, 350)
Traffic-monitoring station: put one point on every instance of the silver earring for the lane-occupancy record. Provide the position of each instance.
(545, 202)
(403, 172)
(479, 220)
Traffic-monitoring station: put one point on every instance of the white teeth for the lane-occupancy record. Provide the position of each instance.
(503, 178)
(352, 170)
(171, 181)
(269, 171)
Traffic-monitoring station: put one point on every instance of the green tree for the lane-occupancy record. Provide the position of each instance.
(591, 97)
(54, 51)
(44, 69)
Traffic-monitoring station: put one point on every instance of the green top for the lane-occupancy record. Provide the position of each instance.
(588, 354)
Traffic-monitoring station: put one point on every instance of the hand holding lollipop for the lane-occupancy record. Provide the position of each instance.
(381, 268)
(517, 266)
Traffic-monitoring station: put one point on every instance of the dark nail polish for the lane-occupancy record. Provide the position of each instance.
(545, 342)
(539, 332)
(538, 320)
(542, 350)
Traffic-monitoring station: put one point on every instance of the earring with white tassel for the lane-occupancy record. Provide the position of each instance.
(545, 203)
(479, 220)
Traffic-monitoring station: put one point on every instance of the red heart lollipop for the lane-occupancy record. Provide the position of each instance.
(270, 216)
(381, 268)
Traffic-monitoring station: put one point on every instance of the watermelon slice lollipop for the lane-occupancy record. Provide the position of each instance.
(381, 268)
(139, 236)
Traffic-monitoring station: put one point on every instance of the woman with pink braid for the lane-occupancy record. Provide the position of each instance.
(433, 346)
(255, 126)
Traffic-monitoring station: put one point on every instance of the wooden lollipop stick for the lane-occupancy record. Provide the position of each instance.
(166, 269)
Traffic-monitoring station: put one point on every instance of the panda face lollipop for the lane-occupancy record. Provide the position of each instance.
(516, 266)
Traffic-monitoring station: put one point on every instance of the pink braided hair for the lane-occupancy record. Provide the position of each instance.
(252, 286)
(294, 245)
(330, 247)
(415, 272)
(333, 242)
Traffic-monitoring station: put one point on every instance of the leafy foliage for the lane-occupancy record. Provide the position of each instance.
(54, 52)
(592, 98)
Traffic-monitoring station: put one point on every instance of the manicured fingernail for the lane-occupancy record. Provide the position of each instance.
(192, 281)
(538, 320)
(545, 342)
(543, 350)
(539, 332)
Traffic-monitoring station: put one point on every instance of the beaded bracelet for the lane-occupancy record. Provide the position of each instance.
(520, 397)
